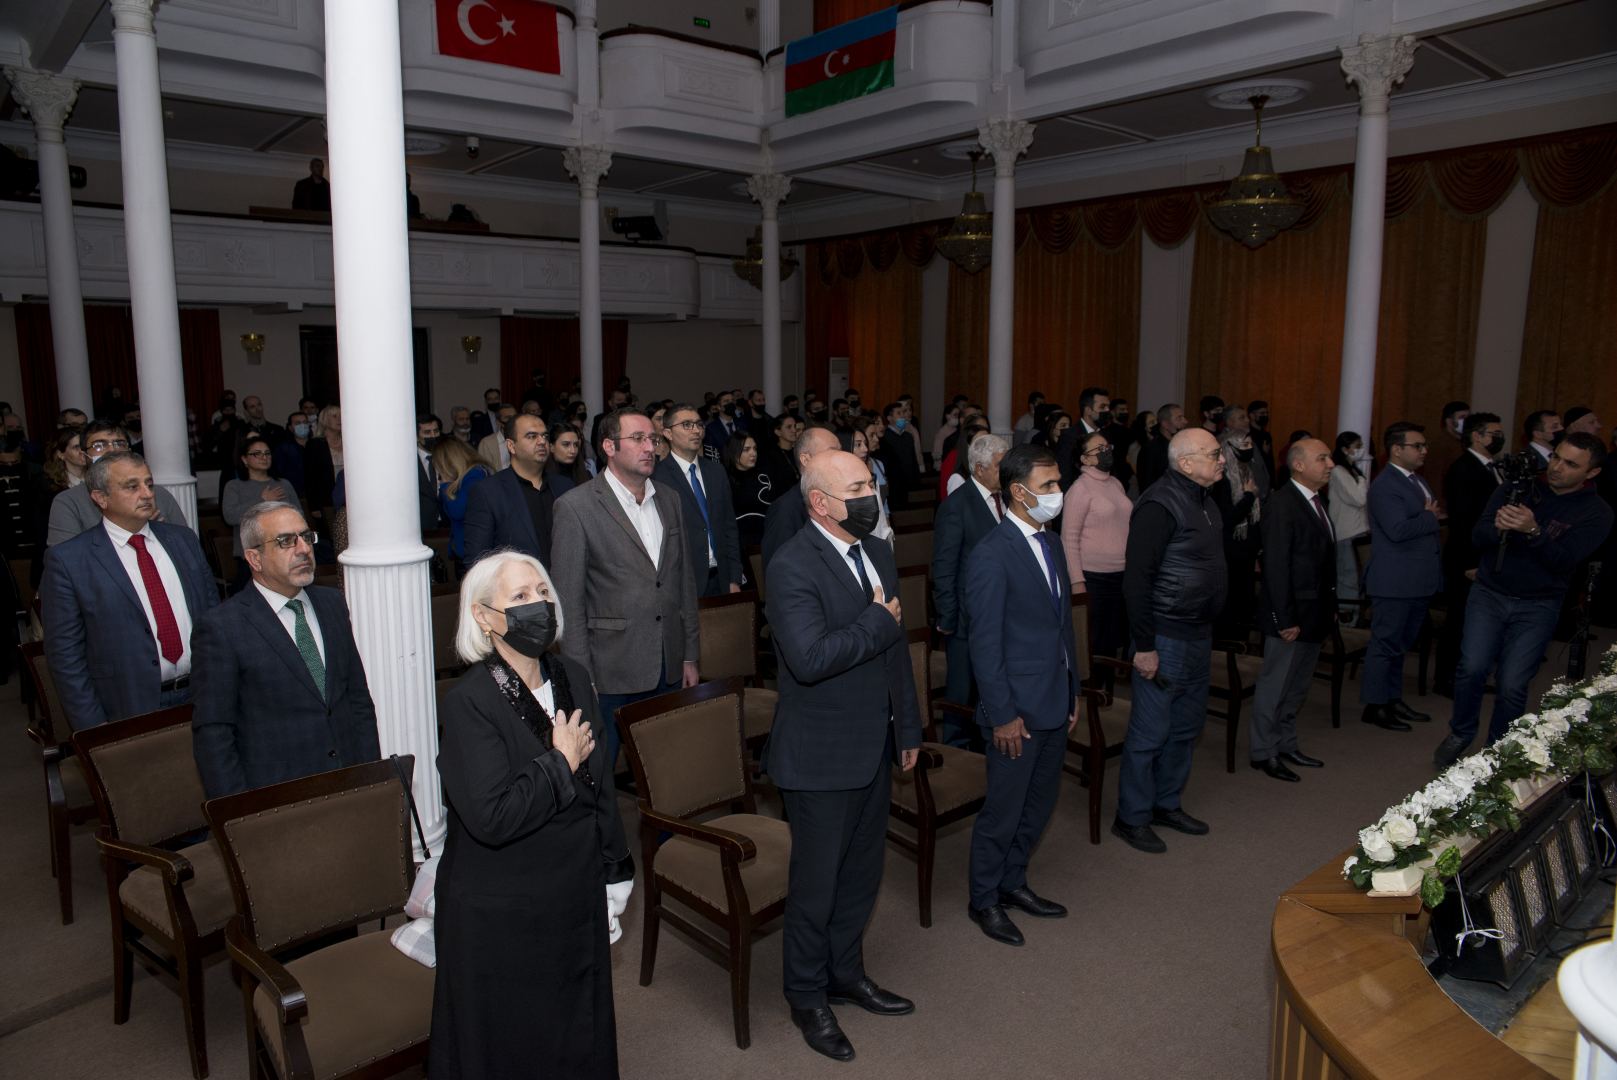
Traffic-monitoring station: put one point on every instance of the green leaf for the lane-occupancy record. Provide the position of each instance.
(1448, 863)
(1432, 890)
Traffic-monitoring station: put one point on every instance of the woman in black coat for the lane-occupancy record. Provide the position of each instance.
(535, 867)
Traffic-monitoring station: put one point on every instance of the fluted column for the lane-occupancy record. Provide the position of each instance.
(149, 240)
(1588, 984)
(48, 100)
(1375, 65)
(768, 27)
(1007, 140)
(587, 164)
(387, 583)
(768, 189)
(587, 39)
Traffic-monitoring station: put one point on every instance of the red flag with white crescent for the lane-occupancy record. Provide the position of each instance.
(516, 33)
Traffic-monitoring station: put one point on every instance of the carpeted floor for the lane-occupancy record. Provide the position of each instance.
(1162, 969)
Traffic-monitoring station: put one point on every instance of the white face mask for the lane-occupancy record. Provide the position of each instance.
(1046, 509)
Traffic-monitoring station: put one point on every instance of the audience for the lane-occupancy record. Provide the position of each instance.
(76, 510)
(459, 472)
(1094, 536)
(1467, 486)
(968, 515)
(1350, 520)
(566, 467)
(750, 490)
(712, 540)
(516, 509)
(259, 486)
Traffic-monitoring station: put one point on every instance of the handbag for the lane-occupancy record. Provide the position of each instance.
(415, 938)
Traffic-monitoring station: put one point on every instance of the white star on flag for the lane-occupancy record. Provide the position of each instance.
(507, 26)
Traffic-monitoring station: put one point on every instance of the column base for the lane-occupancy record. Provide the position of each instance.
(184, 490)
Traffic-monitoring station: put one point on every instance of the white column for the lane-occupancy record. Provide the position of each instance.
(48, 100)
(387, 582)
(149, 239)
(1007, 140)
(1164, 322)
(586, 38)
(587, 164)
(1376, 65)
(1507, 274)
(1004, 40)
(1588, 984)
(768, 27)
(768, 189)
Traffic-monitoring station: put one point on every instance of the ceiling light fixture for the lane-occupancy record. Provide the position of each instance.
(1257, 205)
(750, 267)
(970, 240)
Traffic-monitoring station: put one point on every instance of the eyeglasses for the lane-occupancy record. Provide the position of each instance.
(286, 541)
(256, 453)
(688, 425)
(639, 439)
(100, 445)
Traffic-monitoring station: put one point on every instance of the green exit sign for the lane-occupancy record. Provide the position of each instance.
(705, 24)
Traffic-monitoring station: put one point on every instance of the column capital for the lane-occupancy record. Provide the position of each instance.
(768, 190)
(133, 15)
(587, 164)
(48, 99)
(1376, 65)
(1007, 140)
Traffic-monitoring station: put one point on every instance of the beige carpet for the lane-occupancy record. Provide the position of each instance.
(1162, 970)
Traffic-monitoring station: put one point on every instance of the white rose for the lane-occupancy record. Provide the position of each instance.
(1442, 795)
(1553, 726)
(1399, 830)
(1535, 750)
(1347, 867)
(1376, 846)
(1461, 780)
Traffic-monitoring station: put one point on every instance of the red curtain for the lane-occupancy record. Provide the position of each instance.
(551, 345)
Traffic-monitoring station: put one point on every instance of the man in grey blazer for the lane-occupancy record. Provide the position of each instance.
(118, 601)
(73, 511)
(618, 561)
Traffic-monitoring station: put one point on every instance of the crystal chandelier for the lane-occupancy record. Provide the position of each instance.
(1257, 205)
(750, 267)
(970, 239)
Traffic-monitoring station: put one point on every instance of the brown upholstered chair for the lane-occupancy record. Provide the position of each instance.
(912, 545)
(1344, 651)
(1099, 738)
(1235, 670)
(688, 757)
(307, 861)
(446, 661)
(946, 785)
(915, 515)
(755, 569)
(68, 801)
(728, 626)
(224, 557)
(163, 888)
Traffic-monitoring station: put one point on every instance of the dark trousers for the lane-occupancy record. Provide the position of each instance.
(1021, 796)
(959, 688)
(1283, 682)
(839, 840)
(1163, 728)
(1395, 623)
(1507, 632)
(1456, 593)
(1108, 620)
(609, 705)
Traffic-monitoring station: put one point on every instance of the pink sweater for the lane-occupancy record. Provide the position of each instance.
(1095, 524)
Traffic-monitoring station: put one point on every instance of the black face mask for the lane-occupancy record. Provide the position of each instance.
(729, 410)
(1104, 459)
(530, 629)
(1496, 443)
(863, 514)
(1261, 420)
(1103, 418)
(1121, 417)
(1242, 455)
(1555, 440)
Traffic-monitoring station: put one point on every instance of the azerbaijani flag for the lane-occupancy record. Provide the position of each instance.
(842, 63)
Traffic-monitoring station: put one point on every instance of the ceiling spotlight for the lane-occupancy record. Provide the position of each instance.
(473, 147)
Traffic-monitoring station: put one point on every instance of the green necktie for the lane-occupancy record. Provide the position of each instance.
(306, 646)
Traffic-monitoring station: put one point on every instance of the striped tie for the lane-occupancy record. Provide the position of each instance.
(306, 646)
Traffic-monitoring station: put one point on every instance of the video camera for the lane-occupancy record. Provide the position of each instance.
(1517, 472)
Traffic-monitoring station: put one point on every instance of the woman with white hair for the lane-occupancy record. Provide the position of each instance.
(535, 868)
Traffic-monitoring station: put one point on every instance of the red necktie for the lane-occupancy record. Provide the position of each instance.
(999, 508)
(168, 631)
(1323, 520)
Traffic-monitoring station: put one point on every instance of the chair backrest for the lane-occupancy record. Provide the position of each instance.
(915, 515)
(224, 553)
(687, 749)
(1080, 635)
(921, 669)
(728, 626)
(22, 576)
(317, 855)
(915, 594)
(47, 704)
(143, 774)
(445, 619)
(912, 545)
(755, 565)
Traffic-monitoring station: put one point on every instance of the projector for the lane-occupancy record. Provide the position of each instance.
(636, 229)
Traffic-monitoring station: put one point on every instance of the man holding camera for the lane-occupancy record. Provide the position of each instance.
(1529, 549)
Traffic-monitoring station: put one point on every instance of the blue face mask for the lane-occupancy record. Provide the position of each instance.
(300, 430)
(900, 424)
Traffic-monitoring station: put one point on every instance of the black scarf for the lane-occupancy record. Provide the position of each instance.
(527, 706)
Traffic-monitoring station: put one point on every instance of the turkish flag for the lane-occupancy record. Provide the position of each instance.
(516, 33)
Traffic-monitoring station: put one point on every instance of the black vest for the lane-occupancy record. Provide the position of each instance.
(1192, 581)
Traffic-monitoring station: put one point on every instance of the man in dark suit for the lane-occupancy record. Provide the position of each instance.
(515, 508)
(724, 424)
(120, 600)
(847, 710)
(970, 513)
(1018, 598)
(1405, 571)
(280, 687)
(1094, 415)
(487, 421)
(898, 455)
(1542, 428)
(1297, 607)
(712, 541)
(428, 429)
(1467, 486)
(1152, 460)
(786, 515)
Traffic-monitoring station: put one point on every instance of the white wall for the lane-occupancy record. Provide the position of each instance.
(1507, 271)
(682, 359)
(1164, 322)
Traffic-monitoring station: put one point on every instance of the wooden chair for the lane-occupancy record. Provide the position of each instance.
(1234, 681)
(1344, 651)
(912, 545)
(915, 515)
(223, 546)
(728, 627)
(163, 887)
(946, 785)
(915, 594)
(446, 662)
(1106, 716)
(755, 567)
(68, 801)
(689, 759)
(308, 861)
(442, 565)
(22, 571)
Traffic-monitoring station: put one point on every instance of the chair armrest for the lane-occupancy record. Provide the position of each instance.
(732, 846)
(927, 758)
(291, 1005)
(955, 708)
(49, 749)
(1119, 666)
(1226, 645)
(175, 868)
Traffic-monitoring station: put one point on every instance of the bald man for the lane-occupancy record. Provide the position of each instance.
(847, 713)
(787, 516)
(1297, 607)
(1174, 586)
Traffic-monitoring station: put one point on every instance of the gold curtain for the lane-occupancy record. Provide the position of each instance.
(1572, 311)
(1268, 323)
(884, 331)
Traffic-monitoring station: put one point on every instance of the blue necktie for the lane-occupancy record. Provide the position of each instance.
(1047, 544)
(701, 502)
(859, 565)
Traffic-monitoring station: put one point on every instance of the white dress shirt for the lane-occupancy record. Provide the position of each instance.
(279, 605)
(1491, 465)
(1544, 452)
(988, 498)
(648, 524)
(1311, 497)
(1032, 533)
(685, 471)
(843, 547)
(1418, 481)
(546, 697)
(170, 576)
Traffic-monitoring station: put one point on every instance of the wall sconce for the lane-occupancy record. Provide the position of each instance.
(472, 344)
(253, 345)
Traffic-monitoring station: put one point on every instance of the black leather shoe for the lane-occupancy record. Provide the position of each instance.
(822, 1032)
(1032, 903)
(1180, 821)
(1403, 712)
(1450, 750)
(871, 998)
(996, 924)
(1381, 717)
(1140, 837)
(1297, 757)
(1274, 768)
